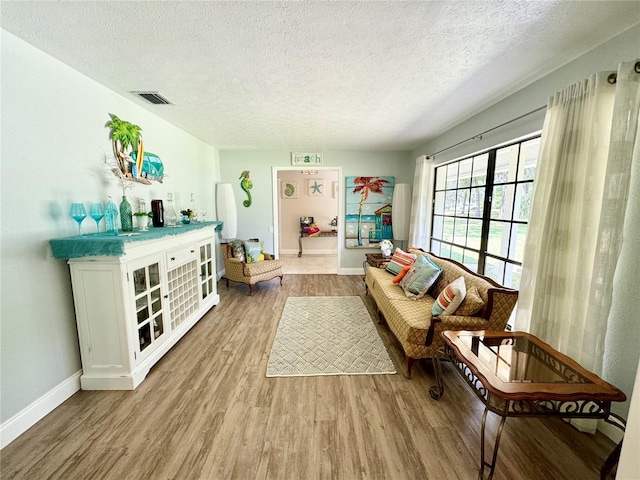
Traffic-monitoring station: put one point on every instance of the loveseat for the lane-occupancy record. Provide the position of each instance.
(411, 319)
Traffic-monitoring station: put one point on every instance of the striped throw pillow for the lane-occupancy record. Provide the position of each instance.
(450, 298)
(400, 259)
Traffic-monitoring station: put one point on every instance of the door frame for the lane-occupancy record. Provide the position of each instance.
(276, 207)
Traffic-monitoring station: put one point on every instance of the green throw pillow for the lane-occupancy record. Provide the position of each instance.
(420, 278)
(253, 250)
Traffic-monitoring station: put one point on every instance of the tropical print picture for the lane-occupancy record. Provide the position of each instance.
(368, 211)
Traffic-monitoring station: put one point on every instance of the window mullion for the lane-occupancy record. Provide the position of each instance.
(486, 214)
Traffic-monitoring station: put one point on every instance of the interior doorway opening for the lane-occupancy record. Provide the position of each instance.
(308, 193)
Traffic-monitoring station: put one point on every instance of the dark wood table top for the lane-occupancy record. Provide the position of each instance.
(520, 366)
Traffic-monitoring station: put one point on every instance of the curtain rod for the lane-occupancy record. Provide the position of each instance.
(479, 136)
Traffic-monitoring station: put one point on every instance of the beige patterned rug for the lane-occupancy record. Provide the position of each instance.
(327, 336)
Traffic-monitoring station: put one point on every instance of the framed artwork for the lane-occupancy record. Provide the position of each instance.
(289, 189)
(334, 190)
(368, 211)
(316, 187)
(306, 159)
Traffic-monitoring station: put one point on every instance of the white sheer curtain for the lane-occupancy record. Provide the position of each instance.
(589, 141)
(420, 224)
(576, 226)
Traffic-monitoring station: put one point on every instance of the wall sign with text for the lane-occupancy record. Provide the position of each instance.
(306, 159)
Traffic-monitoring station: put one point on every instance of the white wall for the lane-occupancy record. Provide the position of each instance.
(623, 337)
(256, 220)
(607, 56)
(54, 137)
(629, 465)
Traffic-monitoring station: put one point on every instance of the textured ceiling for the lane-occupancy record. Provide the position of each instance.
(318, 75)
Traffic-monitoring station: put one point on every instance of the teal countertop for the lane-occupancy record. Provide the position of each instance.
(103, 244)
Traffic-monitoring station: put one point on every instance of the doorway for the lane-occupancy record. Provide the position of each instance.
(315, 193)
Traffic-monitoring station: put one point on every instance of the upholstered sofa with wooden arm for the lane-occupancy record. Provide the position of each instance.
(238, 270)
(412, 322)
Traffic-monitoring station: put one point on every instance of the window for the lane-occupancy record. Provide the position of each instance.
(481, 209)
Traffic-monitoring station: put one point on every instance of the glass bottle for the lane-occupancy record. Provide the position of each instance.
(126, 215)
(111, 217)
(170, 215)
(158, 213)
(142, 217)
(194, 215)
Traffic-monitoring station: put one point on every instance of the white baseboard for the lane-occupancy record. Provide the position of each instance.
(28, 417)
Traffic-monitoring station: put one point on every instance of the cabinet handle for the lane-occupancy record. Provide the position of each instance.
(173, 259)
(166, 296)
(193, 251)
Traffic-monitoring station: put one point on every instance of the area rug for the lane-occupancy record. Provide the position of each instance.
(327, 336)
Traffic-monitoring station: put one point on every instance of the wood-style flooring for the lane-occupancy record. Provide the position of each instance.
(207, 411)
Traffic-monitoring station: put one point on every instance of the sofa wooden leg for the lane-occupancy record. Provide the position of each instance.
(250, 289)
(227, 282)
(409, 365)
(281, 279)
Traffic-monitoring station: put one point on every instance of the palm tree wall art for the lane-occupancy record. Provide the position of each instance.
(368, 210)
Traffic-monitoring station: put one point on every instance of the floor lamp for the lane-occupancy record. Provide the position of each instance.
(226, 210)
(401, 212)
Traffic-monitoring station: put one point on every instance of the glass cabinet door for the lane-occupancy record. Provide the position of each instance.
(147, 291)
(206, 262)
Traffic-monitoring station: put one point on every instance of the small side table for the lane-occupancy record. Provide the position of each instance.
(377, 260)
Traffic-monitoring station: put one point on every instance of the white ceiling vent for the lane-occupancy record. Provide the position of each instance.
(154, 97)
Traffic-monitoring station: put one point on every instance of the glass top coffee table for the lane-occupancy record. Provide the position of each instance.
(516, 374)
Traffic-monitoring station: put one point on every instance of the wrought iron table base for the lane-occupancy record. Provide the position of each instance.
(521, 408)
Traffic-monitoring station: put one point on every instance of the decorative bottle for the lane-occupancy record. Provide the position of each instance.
(194, 209)
(111, 217)
(170, 215)
(158, 213)
(126, 215)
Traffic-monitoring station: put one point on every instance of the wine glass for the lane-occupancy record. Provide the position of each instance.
(78, 213)
(203, 212)
(96, 212)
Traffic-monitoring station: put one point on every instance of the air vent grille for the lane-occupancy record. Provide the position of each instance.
(154, 97)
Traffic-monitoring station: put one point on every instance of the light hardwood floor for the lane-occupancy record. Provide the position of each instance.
(309, 264)
(207, 411)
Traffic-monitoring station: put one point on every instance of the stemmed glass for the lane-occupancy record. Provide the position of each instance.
(203, 212)
(96, 212)
(78, 213)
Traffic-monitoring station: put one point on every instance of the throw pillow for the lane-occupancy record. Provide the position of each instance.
(471, 304)
(399, 259)
(402, 273)
(253, 250)
(237, 250)
(419, 280)
(450, 298)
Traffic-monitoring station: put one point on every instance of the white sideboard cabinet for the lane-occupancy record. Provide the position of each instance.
(135, 297)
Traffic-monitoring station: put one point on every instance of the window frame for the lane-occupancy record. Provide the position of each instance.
(508, 263)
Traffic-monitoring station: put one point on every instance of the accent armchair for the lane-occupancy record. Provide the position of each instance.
(238, 270)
